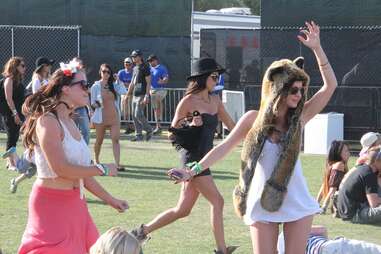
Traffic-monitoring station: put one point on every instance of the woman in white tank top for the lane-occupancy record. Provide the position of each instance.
(58, 220)
(298, 207)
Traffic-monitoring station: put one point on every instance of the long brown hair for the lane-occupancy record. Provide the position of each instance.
(197, 84)
(45, 100)
(110, 81)
(10, 69)
(334, 155)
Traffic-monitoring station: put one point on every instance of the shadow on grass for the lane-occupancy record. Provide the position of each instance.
(159, 173)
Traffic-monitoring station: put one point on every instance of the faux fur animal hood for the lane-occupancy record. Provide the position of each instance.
(277, 81)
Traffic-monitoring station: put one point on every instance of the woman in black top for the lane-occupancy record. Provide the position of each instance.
(210, 108)
(358, 199)
(12, 98)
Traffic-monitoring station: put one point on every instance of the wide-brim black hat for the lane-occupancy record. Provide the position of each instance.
(204, 66)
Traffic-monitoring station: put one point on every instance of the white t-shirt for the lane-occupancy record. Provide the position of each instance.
(37, 84)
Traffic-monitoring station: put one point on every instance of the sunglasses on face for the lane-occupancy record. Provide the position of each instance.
(214, 77)
(82, 83)
(294, 90)
(128, 63)
(105, 71)
(22, 65)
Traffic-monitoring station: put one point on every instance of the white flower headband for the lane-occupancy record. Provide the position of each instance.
(70, 68)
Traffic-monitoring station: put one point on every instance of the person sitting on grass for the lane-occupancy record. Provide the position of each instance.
(358, 199)
(25, 166)
(368, 140)
(319, 243)
(116, 241)
(335, 169)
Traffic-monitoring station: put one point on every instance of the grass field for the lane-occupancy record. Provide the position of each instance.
(149, 192)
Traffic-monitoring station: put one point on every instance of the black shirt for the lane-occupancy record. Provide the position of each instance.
(139, 75)
(352, 194)
(17, 97)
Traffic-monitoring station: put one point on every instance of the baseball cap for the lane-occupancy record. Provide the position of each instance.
(128, 60)
(151, 57)
(136, 52)
(367, 140)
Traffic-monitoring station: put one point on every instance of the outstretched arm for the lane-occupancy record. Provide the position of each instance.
(321, 98)
(235, 137)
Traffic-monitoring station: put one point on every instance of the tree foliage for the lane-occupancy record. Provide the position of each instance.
(203, 5)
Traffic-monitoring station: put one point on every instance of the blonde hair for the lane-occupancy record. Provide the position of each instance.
(116, 240)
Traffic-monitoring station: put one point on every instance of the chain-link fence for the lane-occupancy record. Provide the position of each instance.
(60, 43)
(354, 54)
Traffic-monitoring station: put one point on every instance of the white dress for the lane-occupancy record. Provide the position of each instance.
(297, 203)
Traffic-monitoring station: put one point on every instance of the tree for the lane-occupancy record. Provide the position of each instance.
(203, 5)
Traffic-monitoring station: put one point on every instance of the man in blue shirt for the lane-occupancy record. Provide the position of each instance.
(125, 76)
(159, 78)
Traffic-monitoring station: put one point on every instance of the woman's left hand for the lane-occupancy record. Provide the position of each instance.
(119, 205)
(312, 36)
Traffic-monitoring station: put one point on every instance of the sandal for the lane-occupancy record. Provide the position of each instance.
(121, 169)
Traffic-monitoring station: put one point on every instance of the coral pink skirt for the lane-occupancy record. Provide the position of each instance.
(58, 222)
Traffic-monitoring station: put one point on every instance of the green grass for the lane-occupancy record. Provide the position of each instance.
(149, 192)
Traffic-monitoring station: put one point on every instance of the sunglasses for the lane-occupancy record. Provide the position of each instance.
(294, 90)
(105, 71)
(214, 77)
(22, 65)
(127, 63)
(83, 83)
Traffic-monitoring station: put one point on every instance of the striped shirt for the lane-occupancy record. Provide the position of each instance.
(315, 244)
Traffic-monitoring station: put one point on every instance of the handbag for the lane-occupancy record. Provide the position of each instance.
(188, 136)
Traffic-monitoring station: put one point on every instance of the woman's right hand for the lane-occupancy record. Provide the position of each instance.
(17, 119)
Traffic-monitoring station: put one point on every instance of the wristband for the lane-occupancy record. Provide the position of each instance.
(104, 169)
(14, 112)
(195, 166)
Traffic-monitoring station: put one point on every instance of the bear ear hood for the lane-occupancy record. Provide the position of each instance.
(299, 61)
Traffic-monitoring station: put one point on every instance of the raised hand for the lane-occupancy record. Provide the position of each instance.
(312, 36)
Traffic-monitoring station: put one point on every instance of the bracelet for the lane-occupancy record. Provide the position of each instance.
(195, 166)
(104, 169)
(14, 112)
(322, 65)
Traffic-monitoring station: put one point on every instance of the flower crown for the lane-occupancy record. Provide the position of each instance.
(70, 68)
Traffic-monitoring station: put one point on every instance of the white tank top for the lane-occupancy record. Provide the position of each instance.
(297, 203)
(76, 151)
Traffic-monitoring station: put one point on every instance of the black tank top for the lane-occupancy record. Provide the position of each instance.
(209, 126)
(17, 96)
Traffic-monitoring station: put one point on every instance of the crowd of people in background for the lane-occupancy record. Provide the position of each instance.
(54, 112)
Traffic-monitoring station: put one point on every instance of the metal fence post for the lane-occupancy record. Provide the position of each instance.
(13, 41)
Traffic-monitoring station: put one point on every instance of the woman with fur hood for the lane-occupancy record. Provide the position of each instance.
(272, 188)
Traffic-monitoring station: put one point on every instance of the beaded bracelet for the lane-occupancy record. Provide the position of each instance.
(195, 166)
(322, 65)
